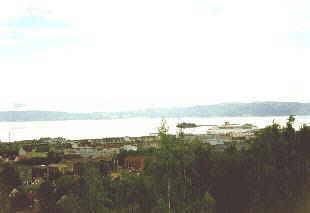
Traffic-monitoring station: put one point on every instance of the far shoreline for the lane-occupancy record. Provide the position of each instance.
(147, 117)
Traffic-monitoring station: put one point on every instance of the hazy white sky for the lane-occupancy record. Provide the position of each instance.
(98, 55)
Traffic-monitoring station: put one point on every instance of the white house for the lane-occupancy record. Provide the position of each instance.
(129, 148)
(22, 152)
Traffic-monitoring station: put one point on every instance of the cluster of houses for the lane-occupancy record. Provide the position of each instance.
(105, 150)
(73, 153)
(90, 148)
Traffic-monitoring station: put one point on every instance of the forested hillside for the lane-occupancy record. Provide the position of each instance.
(218, 110)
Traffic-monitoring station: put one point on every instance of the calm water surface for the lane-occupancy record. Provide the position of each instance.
(83, 129)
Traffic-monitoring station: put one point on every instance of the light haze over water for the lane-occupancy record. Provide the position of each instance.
(90, 129)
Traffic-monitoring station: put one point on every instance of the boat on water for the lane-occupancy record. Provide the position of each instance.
(228, 127)
(225, 128)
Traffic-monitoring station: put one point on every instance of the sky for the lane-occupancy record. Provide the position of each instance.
(117, 55)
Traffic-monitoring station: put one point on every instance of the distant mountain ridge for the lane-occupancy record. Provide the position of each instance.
(215, 110)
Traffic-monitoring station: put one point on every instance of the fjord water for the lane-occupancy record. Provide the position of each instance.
(90, 129)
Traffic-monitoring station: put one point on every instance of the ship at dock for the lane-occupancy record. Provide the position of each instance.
(220, 136)
(229, 126)
(226, 128)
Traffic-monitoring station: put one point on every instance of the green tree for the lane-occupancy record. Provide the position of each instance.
(68, 185)
(68, 204)
(47, 197)
(132, 191)
(92, 194)
(20, 201)
(9, 178)
(53, 157)
(5, 203)
(171, 170)
(206, 204)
